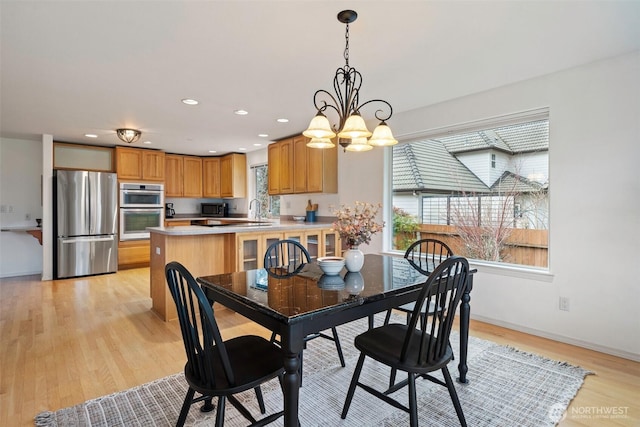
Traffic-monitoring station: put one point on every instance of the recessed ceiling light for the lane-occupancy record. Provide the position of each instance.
(241, 112)
(257, 145)
(242, 149)
(147, 142)
(263, 135)
(90, 135)
(189, 101)
(212, 151)
(282, 120)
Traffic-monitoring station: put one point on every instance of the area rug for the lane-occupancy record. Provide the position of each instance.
(507, 387)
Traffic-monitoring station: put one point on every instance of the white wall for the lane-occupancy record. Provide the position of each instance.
(594, 198)
(20, 170)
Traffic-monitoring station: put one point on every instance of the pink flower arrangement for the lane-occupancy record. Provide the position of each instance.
(357, 224)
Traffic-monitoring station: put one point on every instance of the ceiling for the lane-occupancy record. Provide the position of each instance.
(69, 68)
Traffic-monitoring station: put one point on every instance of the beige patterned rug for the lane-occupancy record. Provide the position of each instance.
(507, 388)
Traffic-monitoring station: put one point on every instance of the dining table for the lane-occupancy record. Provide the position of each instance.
(303, 301)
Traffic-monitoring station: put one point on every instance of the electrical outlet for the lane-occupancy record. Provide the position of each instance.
(564, 304)
(3, 208)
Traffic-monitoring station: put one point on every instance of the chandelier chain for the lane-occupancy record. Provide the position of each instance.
(346, 47)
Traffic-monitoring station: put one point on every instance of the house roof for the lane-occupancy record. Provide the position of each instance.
(510, 182)
(513, 139)
(427, 165)
(431, 164)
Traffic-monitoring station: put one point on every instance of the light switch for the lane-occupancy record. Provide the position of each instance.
(157, 250)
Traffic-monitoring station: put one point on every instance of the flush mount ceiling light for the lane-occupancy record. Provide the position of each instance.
(128, 135)
(352, 131)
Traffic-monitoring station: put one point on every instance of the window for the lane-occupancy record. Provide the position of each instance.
(497, 214)
(268, 204)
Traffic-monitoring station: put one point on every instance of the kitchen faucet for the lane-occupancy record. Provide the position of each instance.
(258, 213)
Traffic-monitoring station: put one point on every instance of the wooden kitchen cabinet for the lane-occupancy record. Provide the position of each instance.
(273, 156)
(319, 242)
(183, 176)
(133, 254)
(251, 248)
(173, 175)
(280, 160)
(139, 164)
(211, 177)
(233, 176)
(296, 168)
(192, 174)
(300, 166)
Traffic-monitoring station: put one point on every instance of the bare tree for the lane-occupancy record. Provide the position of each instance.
(484, 222)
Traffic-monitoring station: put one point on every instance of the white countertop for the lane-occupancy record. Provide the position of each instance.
(193, 230)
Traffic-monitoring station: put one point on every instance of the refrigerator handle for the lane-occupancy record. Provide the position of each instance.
(86, 239)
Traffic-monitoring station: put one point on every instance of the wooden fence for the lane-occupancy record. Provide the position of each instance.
(524, 246)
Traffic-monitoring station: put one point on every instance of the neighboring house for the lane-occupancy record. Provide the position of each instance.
(509, 161)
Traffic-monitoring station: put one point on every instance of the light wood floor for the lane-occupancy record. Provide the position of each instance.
(63, 342)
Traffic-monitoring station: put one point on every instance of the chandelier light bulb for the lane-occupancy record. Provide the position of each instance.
(354, 127)
(358, 144)
(382, 136)
(320, 143)
(319, 127)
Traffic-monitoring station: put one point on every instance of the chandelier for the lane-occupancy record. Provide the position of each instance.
(128, 135)
(352, 131)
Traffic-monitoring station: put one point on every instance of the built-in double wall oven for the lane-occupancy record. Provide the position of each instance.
(141, 206)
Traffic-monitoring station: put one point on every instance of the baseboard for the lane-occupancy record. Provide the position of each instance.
(20, 274)
(560, 338)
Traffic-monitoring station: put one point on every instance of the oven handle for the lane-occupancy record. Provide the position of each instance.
(142, 191)
(142, 209)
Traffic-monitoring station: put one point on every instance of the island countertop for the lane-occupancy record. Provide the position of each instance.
(252, 227)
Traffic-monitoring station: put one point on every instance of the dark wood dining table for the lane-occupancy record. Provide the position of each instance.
(296, 304)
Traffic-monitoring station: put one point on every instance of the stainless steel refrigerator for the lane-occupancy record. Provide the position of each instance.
(85, 223)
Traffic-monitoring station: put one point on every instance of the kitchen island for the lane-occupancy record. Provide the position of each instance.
(226, 248)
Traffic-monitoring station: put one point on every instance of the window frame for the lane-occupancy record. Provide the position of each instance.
(544, 274)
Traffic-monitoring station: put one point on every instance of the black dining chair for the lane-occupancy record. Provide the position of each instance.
(217, 368)
(284, 258)
(424, 255)
(418, 348)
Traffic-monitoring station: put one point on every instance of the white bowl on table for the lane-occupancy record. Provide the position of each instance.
(331, 265)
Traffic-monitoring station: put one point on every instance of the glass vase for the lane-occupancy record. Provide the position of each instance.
(353, 259)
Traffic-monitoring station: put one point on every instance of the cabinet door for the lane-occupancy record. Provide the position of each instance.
(252, 247)
(331, 243)
(315, 169)
(152, 165)
(286, 166)
(312, 243)
(173, 179)
(273, 162)
(248, 248)
(128, 163)
(211, 177)
(300, 164)
(192, 174)
(233, 176)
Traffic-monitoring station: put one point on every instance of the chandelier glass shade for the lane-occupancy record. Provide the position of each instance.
(351, 128)
(128, 135)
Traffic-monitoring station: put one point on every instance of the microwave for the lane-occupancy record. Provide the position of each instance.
(214, 209)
